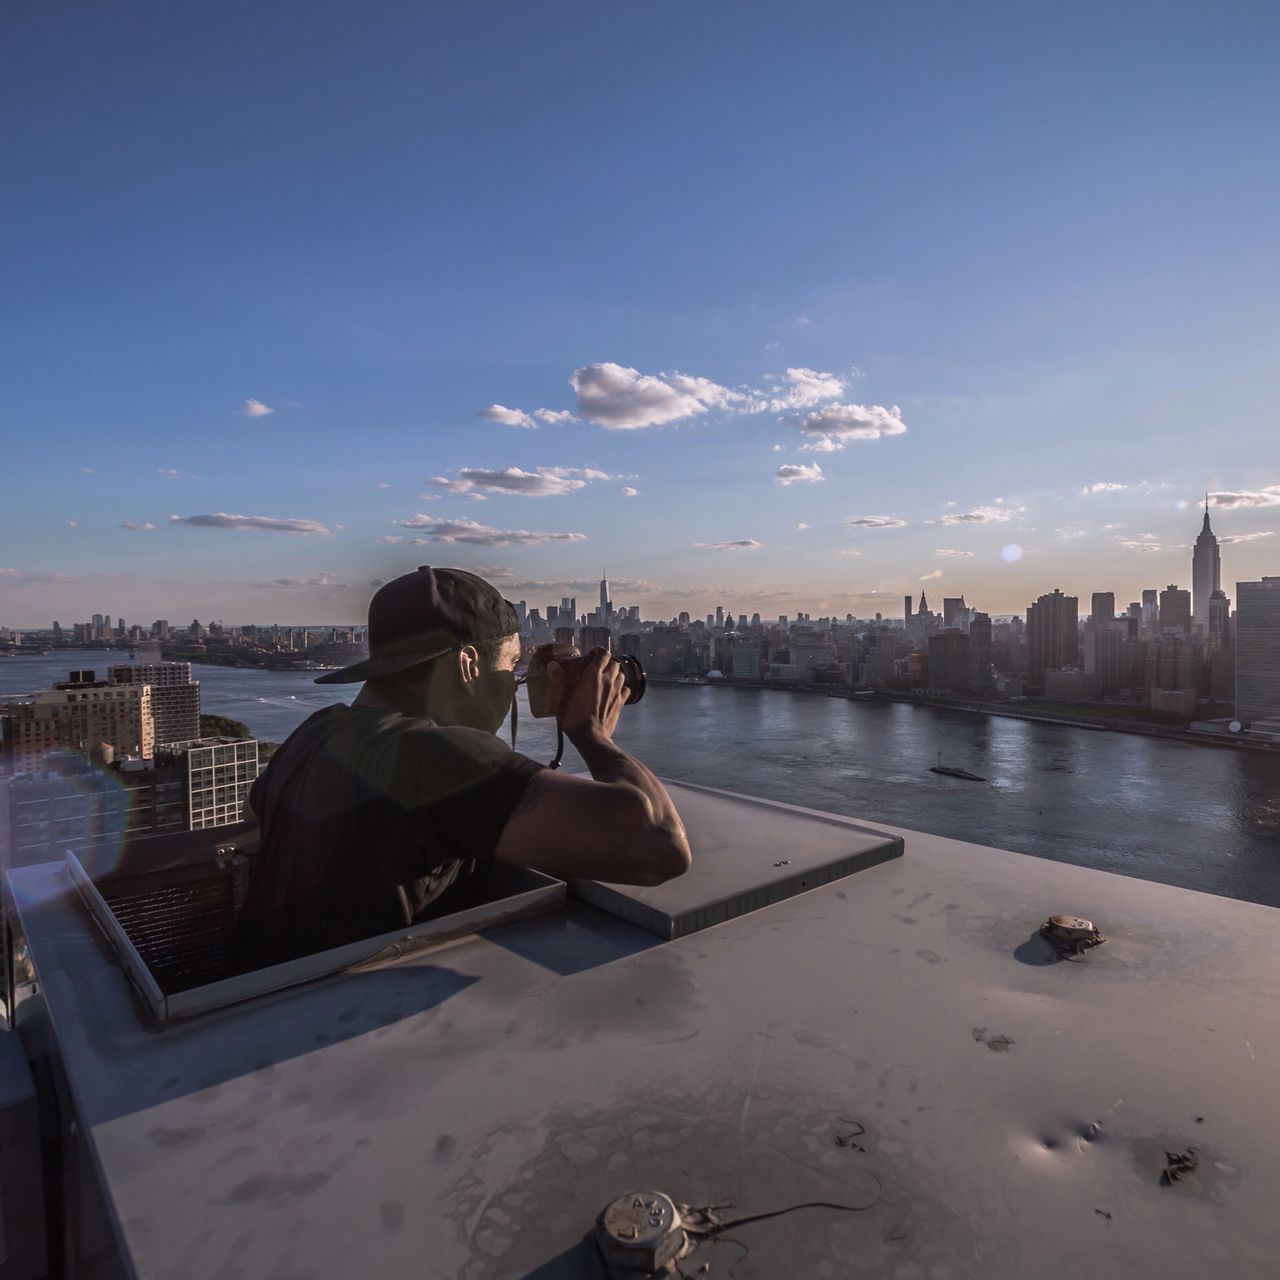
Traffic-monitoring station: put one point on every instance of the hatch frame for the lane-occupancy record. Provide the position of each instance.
(534, 892)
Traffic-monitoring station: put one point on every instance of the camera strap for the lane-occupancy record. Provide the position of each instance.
(515, 724)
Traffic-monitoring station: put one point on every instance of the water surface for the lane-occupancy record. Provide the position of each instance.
(1202, 817)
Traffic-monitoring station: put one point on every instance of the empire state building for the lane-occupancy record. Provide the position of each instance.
(1206, 571)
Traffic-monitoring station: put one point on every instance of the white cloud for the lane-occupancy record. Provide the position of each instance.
(391, 539)
(876, 522)
(936, 573)
(806, 387)
(518, 418)
(801, 525)
(623, 399)
(777, 448)
(508, 417)
(824, 444)
(169, 473)
(571, 586)
(88, 471)
(322, 579)
(141, 525)
(1247, 537)
(741, 544)
(24, 577)
(542, 482)
(479, 535)
(1268, 496)
(849, 551)
(837, 424)
(268, 524)
(255, 409)
(73, 524)
(382, 484)
(982, 515)
(952, 552)
(1109, 527)
(490, 570)
(792, 472)
(1149, 542)
(1103, 486)
(629, 492)
(802, 320)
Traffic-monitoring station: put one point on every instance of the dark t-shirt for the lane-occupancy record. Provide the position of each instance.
(367, 816)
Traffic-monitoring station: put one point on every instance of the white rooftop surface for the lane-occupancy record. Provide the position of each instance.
(468, 1112)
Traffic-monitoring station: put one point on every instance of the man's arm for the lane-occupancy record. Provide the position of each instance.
(620, 825)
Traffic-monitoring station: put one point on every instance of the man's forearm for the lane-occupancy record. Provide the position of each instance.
(608, 762)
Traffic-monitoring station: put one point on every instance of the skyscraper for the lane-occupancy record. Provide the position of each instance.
(1206, 571)
(604, 594)
(81, 714)
(1052, 635)
(980, 681)
(955, 613)
(1220, 620)
(175, 696)
(1150, 609)
(949, 661)
(1103, 606)
(1257, 628)
(1175, 609)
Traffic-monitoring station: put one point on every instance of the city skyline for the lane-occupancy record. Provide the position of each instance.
(802, 315)
(693, 601)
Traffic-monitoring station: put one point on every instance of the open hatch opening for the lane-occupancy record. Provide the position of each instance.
(172, 924)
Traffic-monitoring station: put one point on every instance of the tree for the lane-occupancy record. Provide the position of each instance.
(223, 727)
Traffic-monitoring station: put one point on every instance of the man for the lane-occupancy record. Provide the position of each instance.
(369, 811)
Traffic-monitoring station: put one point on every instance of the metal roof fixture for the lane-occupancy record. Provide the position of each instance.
(638, 1234)
(1070, 935)
(1178, 1164)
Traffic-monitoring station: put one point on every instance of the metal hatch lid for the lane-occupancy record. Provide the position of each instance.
(747, 854)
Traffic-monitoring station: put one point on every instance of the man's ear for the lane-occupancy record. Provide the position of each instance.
(468, 666)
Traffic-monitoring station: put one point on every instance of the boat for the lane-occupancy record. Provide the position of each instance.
(950, 771)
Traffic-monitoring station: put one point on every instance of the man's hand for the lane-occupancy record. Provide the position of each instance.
(594, 702)
(620, 824)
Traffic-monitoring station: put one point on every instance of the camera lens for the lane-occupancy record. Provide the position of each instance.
(633, 677)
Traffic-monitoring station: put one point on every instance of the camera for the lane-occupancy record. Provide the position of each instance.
(542, 699)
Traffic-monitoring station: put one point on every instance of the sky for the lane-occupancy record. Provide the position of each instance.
(775, 307)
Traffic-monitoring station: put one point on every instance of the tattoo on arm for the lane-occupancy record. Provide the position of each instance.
(533, 792)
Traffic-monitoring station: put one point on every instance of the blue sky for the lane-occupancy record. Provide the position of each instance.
(1008, 253)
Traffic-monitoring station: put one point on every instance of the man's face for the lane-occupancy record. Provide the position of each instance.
(496, 686)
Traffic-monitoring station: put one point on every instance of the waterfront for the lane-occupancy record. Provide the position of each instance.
(1161, 810)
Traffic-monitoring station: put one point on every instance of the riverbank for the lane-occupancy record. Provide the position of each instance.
(1006, 710)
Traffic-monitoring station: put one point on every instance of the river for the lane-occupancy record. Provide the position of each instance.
(1201, 817)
